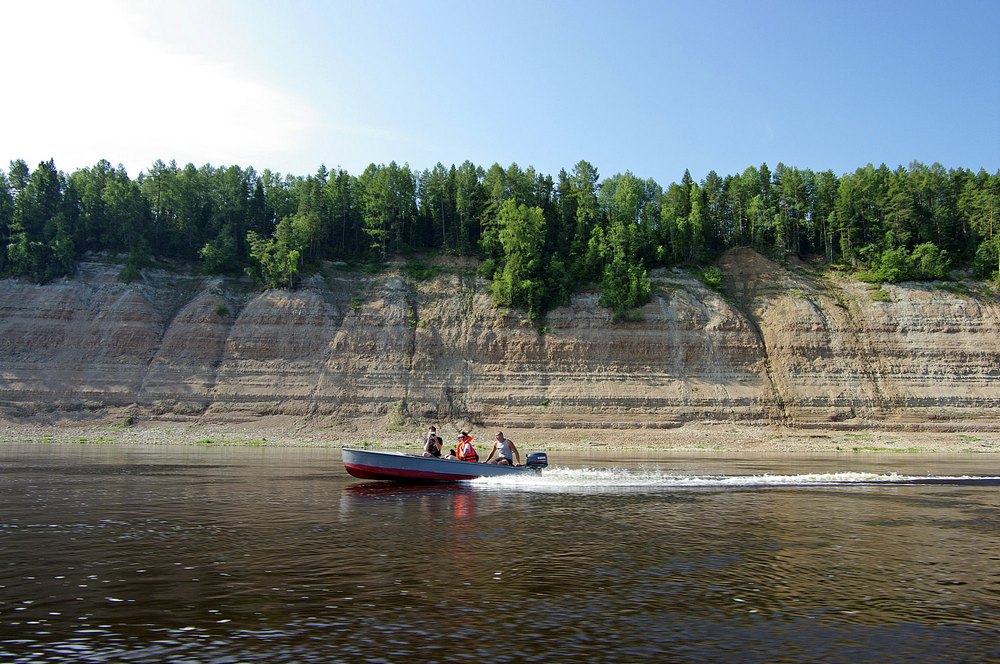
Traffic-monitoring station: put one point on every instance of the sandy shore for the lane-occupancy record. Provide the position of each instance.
(705, 437)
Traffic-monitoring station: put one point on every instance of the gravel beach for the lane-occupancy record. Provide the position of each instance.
(704, 437)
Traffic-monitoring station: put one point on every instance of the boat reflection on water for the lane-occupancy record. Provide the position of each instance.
(454, 500)
(403, 489)
(464, 506)
(387, 515)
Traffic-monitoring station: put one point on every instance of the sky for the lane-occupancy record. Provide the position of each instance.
(648, 87)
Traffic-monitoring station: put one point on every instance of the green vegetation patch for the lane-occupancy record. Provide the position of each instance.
(214, 442)
(421, 272)
(367, 444)
(537, 241)
(126, 422)
(799, 293)
(955, 288)
(712, 277)
(880, 295)
(872, 448)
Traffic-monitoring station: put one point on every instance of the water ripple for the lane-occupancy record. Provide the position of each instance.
(258, 557)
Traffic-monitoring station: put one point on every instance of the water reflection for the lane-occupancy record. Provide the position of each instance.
(277, 555)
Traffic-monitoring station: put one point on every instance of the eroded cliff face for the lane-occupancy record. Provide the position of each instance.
(781, 346)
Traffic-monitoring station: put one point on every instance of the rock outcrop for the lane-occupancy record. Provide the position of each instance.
(780, 345)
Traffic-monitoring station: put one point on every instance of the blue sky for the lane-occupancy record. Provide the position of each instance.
(650, 87)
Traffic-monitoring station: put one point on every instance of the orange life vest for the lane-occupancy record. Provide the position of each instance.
(466, 452)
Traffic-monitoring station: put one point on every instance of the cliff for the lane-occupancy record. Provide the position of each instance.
(780, 345)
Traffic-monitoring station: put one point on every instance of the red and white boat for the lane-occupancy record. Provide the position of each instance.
(372, 465)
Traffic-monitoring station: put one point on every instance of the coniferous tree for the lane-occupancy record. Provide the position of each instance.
(469, 202)
(520, 280)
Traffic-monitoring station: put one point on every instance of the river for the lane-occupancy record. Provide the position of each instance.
(274, 554)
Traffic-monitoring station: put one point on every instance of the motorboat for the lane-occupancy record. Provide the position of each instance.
(375, 465)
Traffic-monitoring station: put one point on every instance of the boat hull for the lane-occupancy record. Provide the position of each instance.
(372, 465)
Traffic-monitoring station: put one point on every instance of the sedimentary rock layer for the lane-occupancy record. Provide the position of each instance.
(779, 345)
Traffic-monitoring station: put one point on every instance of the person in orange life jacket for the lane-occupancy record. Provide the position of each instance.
(465, 451)
(505, 450)
(432, 443)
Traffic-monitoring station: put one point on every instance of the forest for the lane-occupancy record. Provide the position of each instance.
(537, 238)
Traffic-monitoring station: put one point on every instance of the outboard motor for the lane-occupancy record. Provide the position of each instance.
(537, 460)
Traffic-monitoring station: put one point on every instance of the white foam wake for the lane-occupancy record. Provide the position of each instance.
(611, 478)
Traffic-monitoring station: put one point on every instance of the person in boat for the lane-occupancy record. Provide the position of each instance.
(432, 443)
(464, 451)
(505, 450)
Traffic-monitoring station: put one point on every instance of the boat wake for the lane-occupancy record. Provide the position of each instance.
(587, 479)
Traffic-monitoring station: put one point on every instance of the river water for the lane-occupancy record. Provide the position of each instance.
(259, 554)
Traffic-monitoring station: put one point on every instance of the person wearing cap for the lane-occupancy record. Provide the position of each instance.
(505, 450)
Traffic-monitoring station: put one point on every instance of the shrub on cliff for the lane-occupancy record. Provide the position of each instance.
(712, 277)
(929, 263)
(275, 262)
(925, 263)
(987, 261)
(625, 286)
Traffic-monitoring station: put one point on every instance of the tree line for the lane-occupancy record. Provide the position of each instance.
(537, 237)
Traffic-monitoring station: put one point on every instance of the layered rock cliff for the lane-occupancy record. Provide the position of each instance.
(780, 345)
